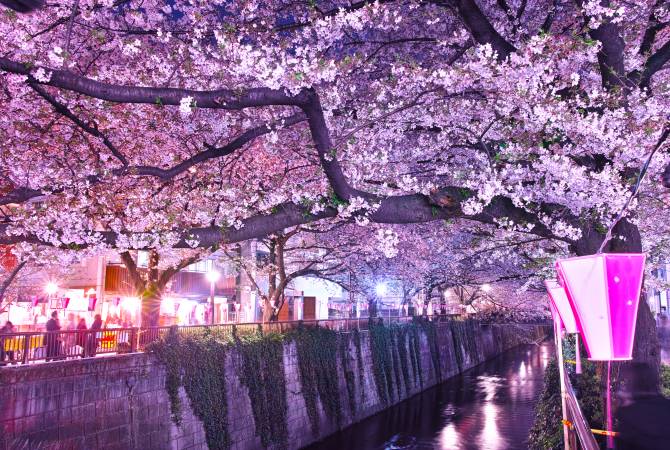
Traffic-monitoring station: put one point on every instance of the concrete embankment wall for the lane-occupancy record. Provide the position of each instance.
(120, 402)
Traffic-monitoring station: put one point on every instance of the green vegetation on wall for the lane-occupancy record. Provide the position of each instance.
(397, 347)
(197, 363)
(317, 359)
(343, 347)
(430, 330)
(380, 344)
(263, 375)
(415, 353)
(359, 361)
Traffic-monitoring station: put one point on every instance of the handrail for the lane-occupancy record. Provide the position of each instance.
(38, 346)
(577, 419)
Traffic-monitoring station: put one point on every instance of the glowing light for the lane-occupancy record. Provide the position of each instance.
(486, 287)
(51, 288)
(380, 289)
(604, 292)
(212, 276)
(447, 294)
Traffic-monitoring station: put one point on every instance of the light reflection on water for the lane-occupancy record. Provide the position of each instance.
(489, 407)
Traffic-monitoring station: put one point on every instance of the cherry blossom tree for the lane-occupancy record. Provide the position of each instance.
(145, 125)
(287, 255)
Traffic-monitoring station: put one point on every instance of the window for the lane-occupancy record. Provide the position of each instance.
(200, 266)
(142, 259)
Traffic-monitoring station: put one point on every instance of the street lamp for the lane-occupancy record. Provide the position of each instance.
(486, 287)
(51, 288)
(380, 289)
(212, 277)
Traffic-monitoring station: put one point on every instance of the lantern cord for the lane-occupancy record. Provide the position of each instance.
(636, 188)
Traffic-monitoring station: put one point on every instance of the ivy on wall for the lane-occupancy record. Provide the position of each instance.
(317, 360)
(401, 334)
(430, 330)
(397, 347)
(359, 362)
(263, 375)
(343, 346)
(415, 353)
(196, 363)
(380, 343)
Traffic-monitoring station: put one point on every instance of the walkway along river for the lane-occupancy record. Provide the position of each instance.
(489, 407)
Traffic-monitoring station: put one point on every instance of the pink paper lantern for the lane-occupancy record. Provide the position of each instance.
(559, 300)
(604, 293)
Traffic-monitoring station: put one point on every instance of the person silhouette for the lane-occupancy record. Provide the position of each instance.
(644, 415)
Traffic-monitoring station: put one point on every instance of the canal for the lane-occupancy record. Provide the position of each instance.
(488, 407)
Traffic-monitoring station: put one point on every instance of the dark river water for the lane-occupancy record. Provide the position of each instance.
(488, 407)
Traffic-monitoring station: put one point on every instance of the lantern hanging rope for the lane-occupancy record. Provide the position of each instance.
(636, 189)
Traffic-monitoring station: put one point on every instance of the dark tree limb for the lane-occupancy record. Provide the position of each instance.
(402, 209)
(9, 279)
(480, 27)
(654, 63)
(217, 99)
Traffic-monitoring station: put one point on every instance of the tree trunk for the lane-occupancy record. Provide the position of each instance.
(267, 311)
(151, 306)
(646, 347)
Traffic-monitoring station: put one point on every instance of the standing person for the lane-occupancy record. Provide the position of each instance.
(7, 329)
(52, 341)
(81, 336)
(93, 335)
(70, 339)
(644, 415)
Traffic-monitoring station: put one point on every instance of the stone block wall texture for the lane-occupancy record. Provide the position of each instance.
(120, 402)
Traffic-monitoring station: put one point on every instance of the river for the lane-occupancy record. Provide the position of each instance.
(488, 407)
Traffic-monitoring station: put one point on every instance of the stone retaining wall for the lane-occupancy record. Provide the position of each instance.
(120, 402)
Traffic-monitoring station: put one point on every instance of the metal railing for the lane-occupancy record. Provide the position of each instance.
(578, 427)
(29, 347)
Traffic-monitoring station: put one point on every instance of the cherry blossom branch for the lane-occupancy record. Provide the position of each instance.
(214, 152)
(217, 99)
(90, 128)
(23, 194)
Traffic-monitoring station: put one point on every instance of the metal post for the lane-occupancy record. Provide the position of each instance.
(561, 374)
(26, 348)
(133, 340)
(211, 299)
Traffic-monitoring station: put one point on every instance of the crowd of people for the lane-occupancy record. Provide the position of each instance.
(76, 338)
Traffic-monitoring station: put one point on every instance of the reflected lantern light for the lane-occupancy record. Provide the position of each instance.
(604, 293)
